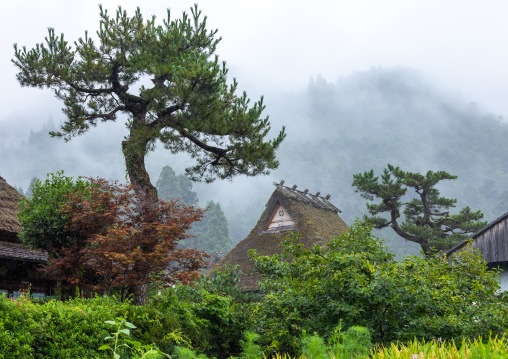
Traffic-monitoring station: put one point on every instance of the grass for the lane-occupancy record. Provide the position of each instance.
(493, 348)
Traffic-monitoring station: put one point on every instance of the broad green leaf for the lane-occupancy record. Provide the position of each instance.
(130, 325)
(134, 342)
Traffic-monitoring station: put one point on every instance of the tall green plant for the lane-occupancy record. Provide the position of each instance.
(120, 340)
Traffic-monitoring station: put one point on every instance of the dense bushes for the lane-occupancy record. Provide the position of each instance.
(354, 286)
(356, 281)
(76, 328)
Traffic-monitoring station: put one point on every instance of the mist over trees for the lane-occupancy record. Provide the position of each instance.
(334, 129)
(412, 206)
(189, 106)
(211, 233)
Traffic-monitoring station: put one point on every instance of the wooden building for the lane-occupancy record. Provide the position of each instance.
(288, 209)
(492, 241)
(18, 262)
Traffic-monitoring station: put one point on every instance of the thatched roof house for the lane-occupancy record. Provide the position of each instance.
(18, 262)
(288, 209)
(9, 206)
(492, 241)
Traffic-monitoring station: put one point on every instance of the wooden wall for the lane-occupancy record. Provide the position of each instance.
(493, 242)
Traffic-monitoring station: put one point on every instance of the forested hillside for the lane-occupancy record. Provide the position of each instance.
(370, 119)
(335, 129)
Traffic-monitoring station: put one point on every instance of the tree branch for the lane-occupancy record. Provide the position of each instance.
(204, 146)
(89, 91)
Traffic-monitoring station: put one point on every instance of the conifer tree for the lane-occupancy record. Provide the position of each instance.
(169, 82)
(424, 219)
(212, 232)
(170, 187)
(29, 190)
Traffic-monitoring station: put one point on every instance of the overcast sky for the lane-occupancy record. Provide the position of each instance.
(278, 45)
(274, 46)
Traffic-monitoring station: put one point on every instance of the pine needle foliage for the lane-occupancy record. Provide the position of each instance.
(169, 82)
(424, 219)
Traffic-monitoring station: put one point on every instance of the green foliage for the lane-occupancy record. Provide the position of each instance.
(212, 232)
(186, 353)
(188, 105)
(172, 187)
(182, 316)
(493, 348)
(44, 226)
(314, 347)
(214, 322)
(356, 281)
(120, 340)
(426, 219)
(224, 281)
(250, 350)
(356, 343)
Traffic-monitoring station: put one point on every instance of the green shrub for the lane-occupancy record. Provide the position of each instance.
(356, 281)
(76, 328)
(250, 350)
(356, 343)
(314, 347)
(225, 281)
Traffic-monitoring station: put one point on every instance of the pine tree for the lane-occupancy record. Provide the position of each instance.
(211, 234)
(187, 104)
(426, 219)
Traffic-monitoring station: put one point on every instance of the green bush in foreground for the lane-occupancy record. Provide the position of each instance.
(356, 281)
(184, 315)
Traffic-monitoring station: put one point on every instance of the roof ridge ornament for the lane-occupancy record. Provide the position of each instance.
(305, 196)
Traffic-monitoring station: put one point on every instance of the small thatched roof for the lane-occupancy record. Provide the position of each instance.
(9, 206)
(288, 209)
(19, 251)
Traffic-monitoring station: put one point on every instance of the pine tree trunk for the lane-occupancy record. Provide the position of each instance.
(134, 152)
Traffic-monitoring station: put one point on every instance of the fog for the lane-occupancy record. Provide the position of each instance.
(367, 64)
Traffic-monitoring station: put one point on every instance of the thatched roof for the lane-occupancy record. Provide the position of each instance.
(10, 226)
(9, 206)
(312, 215)
(491, 240)
(23, 252)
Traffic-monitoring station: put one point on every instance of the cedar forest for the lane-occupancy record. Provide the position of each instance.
(131, 259)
